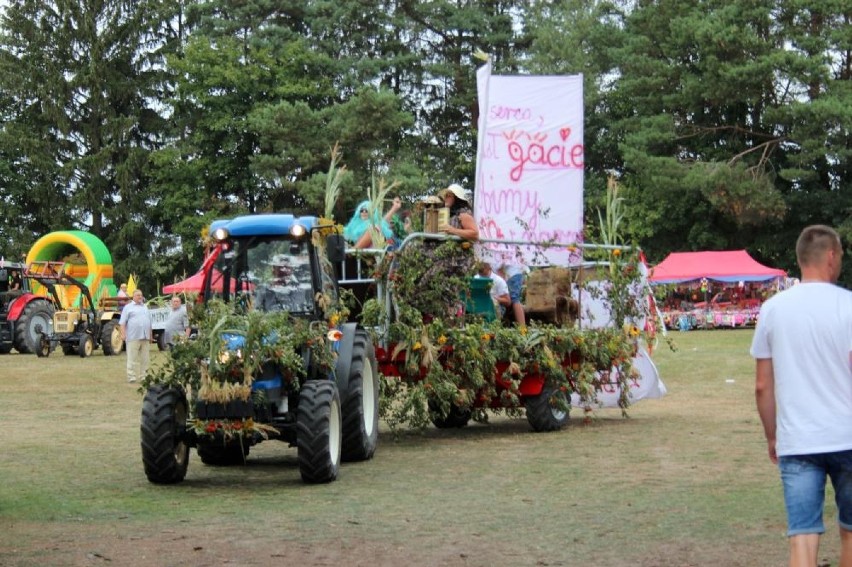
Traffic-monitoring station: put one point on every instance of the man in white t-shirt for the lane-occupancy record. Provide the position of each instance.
(499, 288)
(803, 389)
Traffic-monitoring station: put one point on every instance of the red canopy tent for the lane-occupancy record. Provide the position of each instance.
(193, 284)
(723, 266)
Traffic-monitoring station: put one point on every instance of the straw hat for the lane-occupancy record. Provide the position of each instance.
(457, 190)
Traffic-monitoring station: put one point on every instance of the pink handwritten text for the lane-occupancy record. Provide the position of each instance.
(543, 156)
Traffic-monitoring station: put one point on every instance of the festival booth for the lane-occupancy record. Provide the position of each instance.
(714, 289)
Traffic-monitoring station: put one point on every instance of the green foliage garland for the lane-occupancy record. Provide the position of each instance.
(446, 361)
(213, 373)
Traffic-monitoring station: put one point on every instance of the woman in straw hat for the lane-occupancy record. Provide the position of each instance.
(461, 215)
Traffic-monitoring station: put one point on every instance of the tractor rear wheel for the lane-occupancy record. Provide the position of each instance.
(111, 338)
(164, 452)
(86, 346)
(318, 431)
(360, 403)
(35, 319)
(217, 454)
(544, 412)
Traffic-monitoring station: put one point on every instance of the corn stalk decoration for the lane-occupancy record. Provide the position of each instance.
(332, 182)
(377, 195)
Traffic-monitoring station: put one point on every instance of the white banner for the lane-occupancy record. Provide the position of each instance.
(529, 163)
(646, 384)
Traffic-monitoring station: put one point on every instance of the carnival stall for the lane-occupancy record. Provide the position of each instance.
(713, 289)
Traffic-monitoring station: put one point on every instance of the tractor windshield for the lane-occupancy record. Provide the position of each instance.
(267, 274)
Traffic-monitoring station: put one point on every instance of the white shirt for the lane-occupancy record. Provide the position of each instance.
(512, 270)
(807, 332)
(499, 287)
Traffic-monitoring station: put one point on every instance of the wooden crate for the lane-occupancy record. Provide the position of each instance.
(433, 217)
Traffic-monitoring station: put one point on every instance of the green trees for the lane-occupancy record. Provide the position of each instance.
(79, 109)
(726, 122)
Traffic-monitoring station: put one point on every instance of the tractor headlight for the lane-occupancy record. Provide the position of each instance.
(297, 231)
(221, 234)
(226, 355)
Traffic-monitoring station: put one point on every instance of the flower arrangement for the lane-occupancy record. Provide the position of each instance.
(232, 347)
(230, 429)
(480, 366)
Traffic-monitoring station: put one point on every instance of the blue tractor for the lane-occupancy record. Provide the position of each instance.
(273, 263)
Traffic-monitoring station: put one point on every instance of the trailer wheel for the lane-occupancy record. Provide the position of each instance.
(165, 454)
(86, 346)
(543, 411)
(457, 417)
(360, 404)
(319, 431)
(111, 338)
(34, 320)
(223, 455)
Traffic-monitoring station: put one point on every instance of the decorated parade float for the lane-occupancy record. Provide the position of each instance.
(714, 289)
(282, 354)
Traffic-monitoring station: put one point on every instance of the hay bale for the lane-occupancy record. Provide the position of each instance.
(548, 297)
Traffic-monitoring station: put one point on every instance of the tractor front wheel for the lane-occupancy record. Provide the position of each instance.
(164, 452)
(319, 431)
(111, 338)
(86, 346)
(34, 321)
(44, 347)
(544, 412)
(361, 402)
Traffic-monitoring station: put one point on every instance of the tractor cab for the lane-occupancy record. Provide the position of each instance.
(270, 263)
(12, 282)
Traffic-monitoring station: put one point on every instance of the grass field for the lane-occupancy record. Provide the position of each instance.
(684, 481)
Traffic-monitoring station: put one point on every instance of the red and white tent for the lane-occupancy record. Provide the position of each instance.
(723, 266)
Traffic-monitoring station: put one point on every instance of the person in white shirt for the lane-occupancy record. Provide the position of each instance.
(499, 288)
(803, 389)
(135, 324)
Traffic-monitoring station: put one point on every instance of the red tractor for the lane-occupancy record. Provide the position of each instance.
(24, 317)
